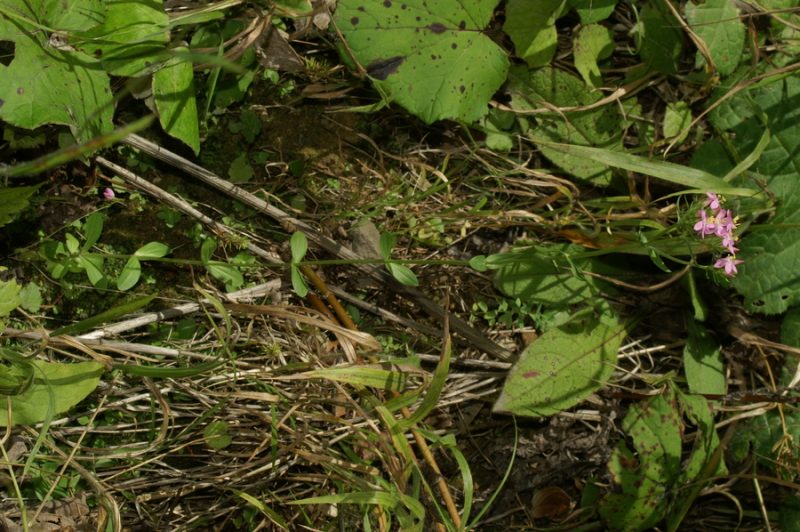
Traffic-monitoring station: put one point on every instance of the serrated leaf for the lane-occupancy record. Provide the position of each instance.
(152, 250)
(48, 85)
(592, 11)
(14, 200)
(9, 297)
(597, 127)
(592, 43)
(131, 40)
(240, 170)
(703, 363)
(563, 366)
(299, 246)
(534, 37)
(130, 274)
(660, 38)
(717, 23)
(30, 297)
(637, 499)
(173, 91)
(415, 49)
(66, 384)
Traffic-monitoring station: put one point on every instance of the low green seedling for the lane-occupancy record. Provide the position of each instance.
(400, 272)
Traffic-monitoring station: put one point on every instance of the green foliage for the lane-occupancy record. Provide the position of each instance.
(173, 91)
(597, 127)
(14, 200)
(592, 43)
(659, 37)
(44, 389)
(411, 51)
(564, 365)
(592, 11)
(132, 270)
(217, 435)
(703, 362)
(402, 273)
(222, 271)
(531, 26)
(9, 297)
(717, 24)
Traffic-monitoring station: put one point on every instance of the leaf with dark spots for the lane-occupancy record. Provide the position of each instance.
(354, 21)
(383, 68)
(437, 28)
(530, 374)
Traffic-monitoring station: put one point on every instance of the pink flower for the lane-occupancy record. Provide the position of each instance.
(728, 263)
(725, 223)
(108, 194)
(729, 243)
(712, 201)
(706, 225)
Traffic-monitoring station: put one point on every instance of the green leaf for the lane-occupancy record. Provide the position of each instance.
(152, 250)
(9, 296)
(547, 275)
(93, 266)
(592, 11)
(402, 274)
(696, 180)
(131, 40)
(92, 229)
(769, 279)
(48, 85)
(103, 317)
(592, 43)
(660, 38)
(637, 499)
(65, 384)
(597, 127)
(230, 275)
(534, 37)
(173, 89)
(72, 244)
(677, 118)
(299, 246)
(703, 362)
(386, 244)
(717, 23)
(130, 274)
(374, 377)
(240, 170)
(207, 250)
(478, 263)
(30, 297)
(563, 366)
(14, 200)
(216, 435)
(415, 49)
(298, 283)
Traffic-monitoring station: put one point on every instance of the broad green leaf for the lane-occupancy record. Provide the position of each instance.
(299, 246)
(93, 265)
(790, 327)
(207, 249)
(696, 180)
(761, 435)
(531, 26)
(173, 89)
(386, 244)
(592, 43)
(659, 37)
(374, 377)
(66, 384)
(703, 363)
(546, 275)
(48, 85)
(637, 499)
(434, 59)
(217, 435)
(130, 274)
(402, 274)
(547, 87)
(30, 297)
(152, 250)
(230, 275)
(9, 296)
(72, 244)
(769, 279)
(92, 229)
(14, 200)
(563, 366)
(677, 118)
(103, 317)
(592, 11)
(717, 23)
(298, 283)
(240, 170)
(131, 40)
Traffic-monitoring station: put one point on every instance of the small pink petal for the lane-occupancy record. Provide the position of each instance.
(108, 194)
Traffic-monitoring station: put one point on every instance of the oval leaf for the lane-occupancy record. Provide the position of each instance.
(130, 274)
(152, 250)
(299, 245)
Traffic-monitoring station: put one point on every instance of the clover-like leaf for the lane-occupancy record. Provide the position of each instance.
(432, 58)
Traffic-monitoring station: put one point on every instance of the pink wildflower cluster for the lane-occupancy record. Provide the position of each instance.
(720, 223)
